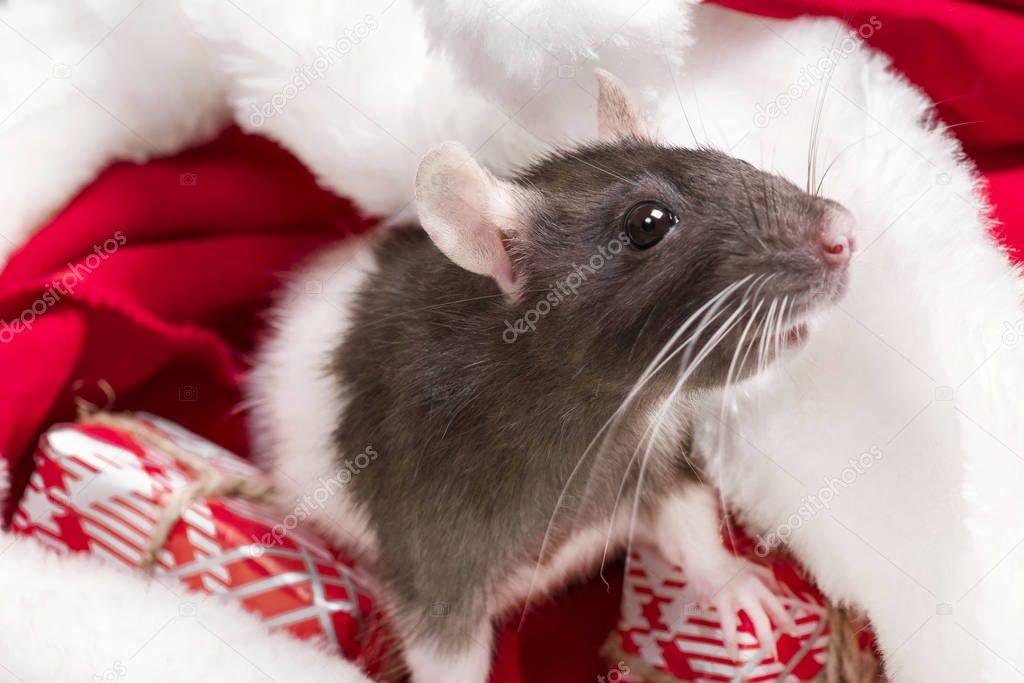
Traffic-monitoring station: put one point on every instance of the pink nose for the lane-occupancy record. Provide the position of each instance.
(836, 237)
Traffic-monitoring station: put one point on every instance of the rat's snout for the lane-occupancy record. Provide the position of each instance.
(835, 237)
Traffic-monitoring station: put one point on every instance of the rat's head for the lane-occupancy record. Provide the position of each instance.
(630, 249)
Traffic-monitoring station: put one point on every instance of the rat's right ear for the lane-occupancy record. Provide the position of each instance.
(618, 117)
(468, 213)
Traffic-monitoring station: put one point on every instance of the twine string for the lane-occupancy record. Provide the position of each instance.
(209, 482)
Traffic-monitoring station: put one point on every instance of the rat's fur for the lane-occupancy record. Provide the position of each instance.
(484, 490)
(933, 291)
(478, 434)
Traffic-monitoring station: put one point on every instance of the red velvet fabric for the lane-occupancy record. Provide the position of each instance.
(167, 312)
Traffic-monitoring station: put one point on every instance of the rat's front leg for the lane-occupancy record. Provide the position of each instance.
(687, 531)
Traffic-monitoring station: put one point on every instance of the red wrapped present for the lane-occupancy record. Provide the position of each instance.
(144, 492)
(664, 635)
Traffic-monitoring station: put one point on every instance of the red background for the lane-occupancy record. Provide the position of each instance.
(170, 319)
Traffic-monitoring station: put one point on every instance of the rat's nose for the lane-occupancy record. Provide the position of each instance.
(835, 237)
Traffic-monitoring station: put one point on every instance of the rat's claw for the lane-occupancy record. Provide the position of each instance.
(730, 633)
(766, 575)
(762, 626)
(746, 589)
(777, 611)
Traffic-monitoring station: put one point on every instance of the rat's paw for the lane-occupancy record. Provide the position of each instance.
(747, 587)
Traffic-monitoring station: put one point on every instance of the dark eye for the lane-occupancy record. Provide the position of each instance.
(646, 223)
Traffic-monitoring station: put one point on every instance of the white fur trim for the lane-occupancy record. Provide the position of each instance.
(70, 618)
(296, 399)
(84, 84)
(427, 664)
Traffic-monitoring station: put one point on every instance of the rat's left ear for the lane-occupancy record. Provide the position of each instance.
(468, 213)
(618, 117)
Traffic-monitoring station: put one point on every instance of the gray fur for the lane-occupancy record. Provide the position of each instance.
(481, 434)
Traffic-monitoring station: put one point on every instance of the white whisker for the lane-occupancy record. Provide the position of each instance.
(705, 321)
(612, 423)
(762, 362)
(686, 371)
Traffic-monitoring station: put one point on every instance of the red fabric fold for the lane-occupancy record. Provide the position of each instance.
(168, 318)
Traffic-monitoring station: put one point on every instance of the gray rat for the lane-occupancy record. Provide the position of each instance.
(507, 386)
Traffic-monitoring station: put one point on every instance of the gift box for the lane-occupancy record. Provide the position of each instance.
(144, 492)
(665, 636)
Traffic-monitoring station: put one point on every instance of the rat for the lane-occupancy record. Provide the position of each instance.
(509, 385)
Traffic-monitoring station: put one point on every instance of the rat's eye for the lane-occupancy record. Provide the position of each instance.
(646, 223)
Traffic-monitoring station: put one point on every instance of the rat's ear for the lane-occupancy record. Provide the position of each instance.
(618, 118)
(468, 213)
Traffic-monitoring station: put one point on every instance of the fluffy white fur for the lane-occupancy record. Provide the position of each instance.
(88, 82)
(68, 618)
(537, 60)
(430, 664)
(914, 362)
(296, 396)
(386, 100)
